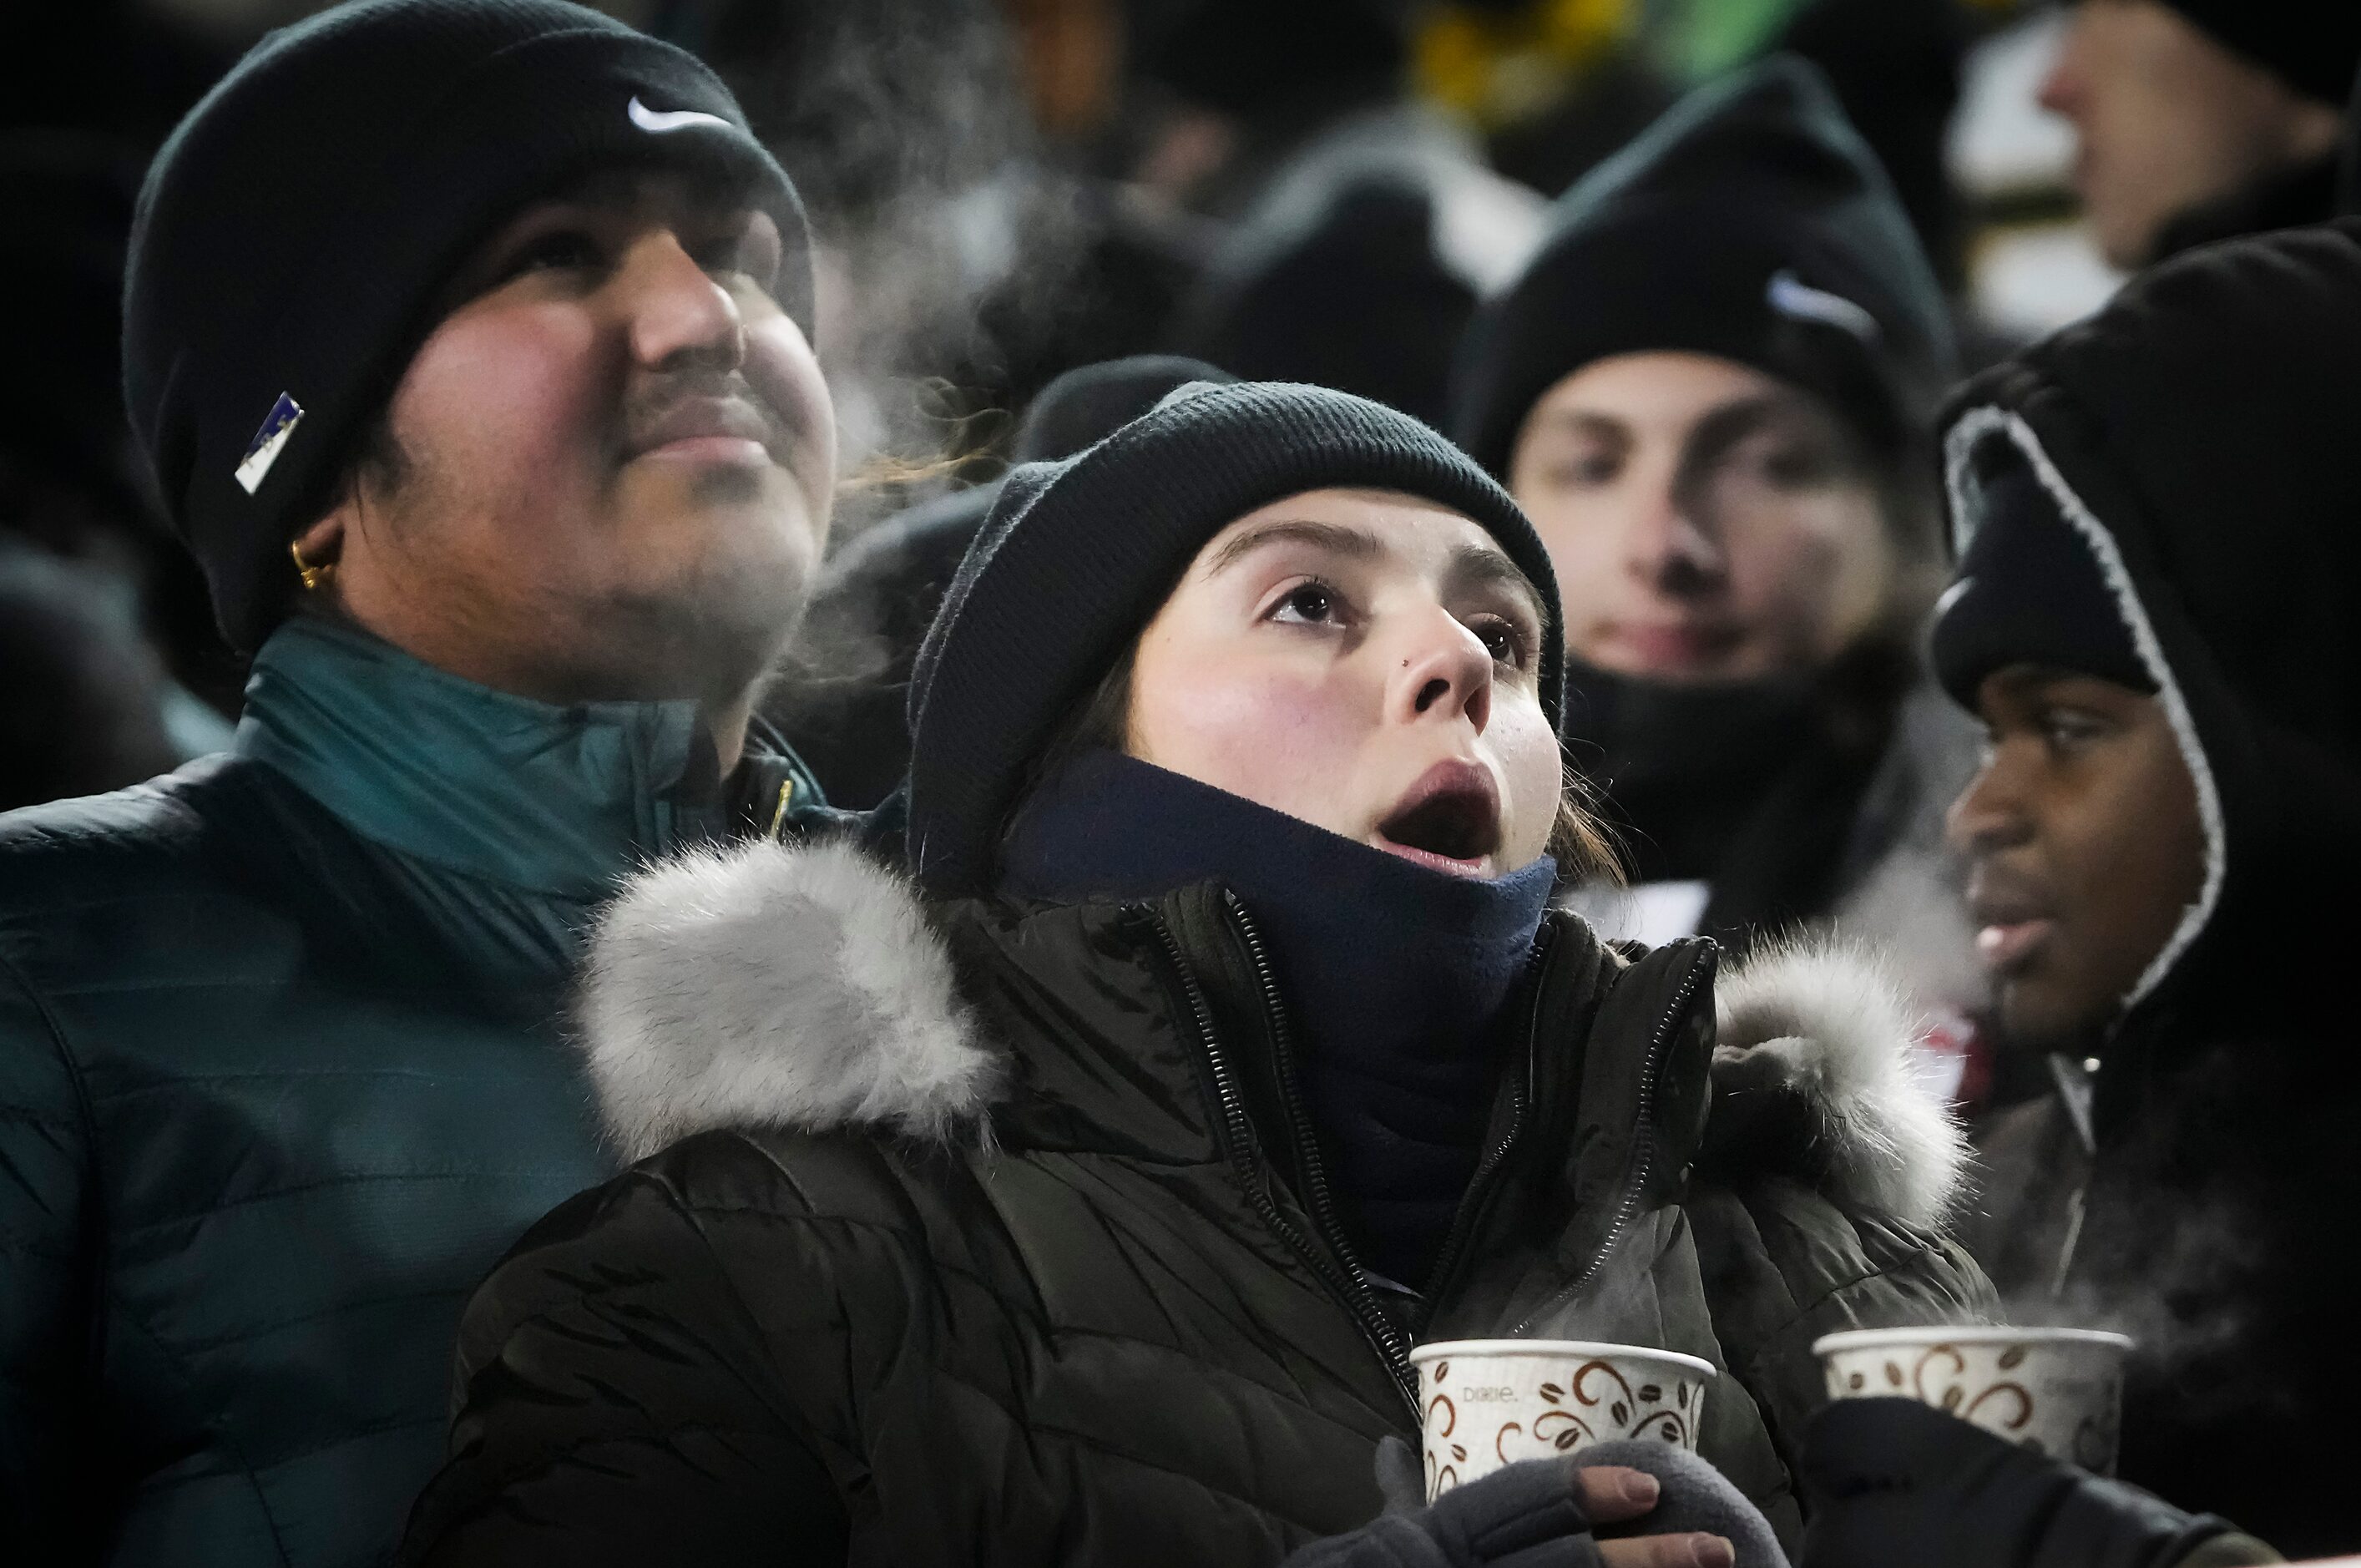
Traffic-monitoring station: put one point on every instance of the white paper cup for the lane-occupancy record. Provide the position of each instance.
(1491, 1402)
(2056, 1391)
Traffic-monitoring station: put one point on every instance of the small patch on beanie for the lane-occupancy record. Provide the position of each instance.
(1792, 297)
(662, 120)
(264, 449)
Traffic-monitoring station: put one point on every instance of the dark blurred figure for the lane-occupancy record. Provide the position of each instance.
(70, 481)
(1354, 229)
(1895, 65)
(2158, 617)
(1712, 390)
(82, 695)
(875, 598)
(68, 475)
(2348, 157)
(1244, 84)
(1336, 220)
(2201, 120)
(1360, 266)
(125, 68)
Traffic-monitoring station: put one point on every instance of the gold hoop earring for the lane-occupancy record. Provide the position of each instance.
(314, 577)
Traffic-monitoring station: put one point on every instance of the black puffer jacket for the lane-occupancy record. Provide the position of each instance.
(997, 1235)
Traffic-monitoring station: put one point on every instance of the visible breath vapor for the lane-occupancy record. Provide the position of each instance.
(905, 128)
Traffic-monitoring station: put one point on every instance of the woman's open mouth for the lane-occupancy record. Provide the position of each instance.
(1449, 821)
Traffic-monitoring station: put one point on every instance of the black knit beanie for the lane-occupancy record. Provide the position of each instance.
(1749, 223)
(295, 230)
(2314, 49)
(1077, 556)
(2029, 589)
(1090, 402)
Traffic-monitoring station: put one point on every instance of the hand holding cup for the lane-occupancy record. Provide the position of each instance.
(1491, 1403)
(2058, 1392)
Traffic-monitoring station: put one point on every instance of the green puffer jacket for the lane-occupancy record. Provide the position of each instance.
(993, 1233)
(279, 1084)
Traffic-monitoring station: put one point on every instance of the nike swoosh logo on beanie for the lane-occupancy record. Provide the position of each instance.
(663, 120)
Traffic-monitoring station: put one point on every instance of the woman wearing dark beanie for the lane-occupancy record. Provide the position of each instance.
(1711, 389)
(1077, 1197)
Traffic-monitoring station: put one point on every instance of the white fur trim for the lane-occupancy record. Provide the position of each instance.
(1837, 1026)
(1958, 447)
(771, 985)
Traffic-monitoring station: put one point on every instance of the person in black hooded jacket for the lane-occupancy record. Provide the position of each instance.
(2158, 615)
(1079, 1204)
(1712, 389)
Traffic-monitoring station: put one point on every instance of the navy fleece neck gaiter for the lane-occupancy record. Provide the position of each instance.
(1394, 975)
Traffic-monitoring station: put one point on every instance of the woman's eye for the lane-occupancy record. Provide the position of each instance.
(1312, 603)
(1507, 640)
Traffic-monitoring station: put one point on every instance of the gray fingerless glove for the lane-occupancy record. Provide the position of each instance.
(1696, 1496)
(1523, 1516)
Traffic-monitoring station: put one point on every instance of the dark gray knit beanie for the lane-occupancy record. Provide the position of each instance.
(297, 228)
(1078, 555)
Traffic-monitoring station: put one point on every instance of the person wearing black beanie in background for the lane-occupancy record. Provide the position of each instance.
(1073, 1191)
(1712, 389)
(465, 342)
(848, 675)
(2203, 120)
(2158, 617)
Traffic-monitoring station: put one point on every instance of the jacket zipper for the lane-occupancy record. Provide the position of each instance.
(1463, 1224)
(1345, 1283)
(1318, 1202)
(1629, 1202)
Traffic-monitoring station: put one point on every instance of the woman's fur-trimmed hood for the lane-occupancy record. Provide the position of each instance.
(771, 985)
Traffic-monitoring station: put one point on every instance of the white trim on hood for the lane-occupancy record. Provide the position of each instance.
(1959, 445)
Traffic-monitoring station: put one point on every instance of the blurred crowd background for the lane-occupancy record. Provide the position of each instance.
(1020, 186)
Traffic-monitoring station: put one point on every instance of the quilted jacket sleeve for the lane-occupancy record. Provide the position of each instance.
(616, 1403)
(45, 1283)
(1784, 1265)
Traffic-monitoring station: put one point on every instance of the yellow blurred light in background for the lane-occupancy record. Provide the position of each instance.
(1495, 69)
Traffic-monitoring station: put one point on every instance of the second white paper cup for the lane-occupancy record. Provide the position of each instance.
(1490, 1402)
(2056, 1391)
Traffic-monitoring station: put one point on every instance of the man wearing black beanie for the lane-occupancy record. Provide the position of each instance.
(1710, 388)
(467, 346)
(2201, 120)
